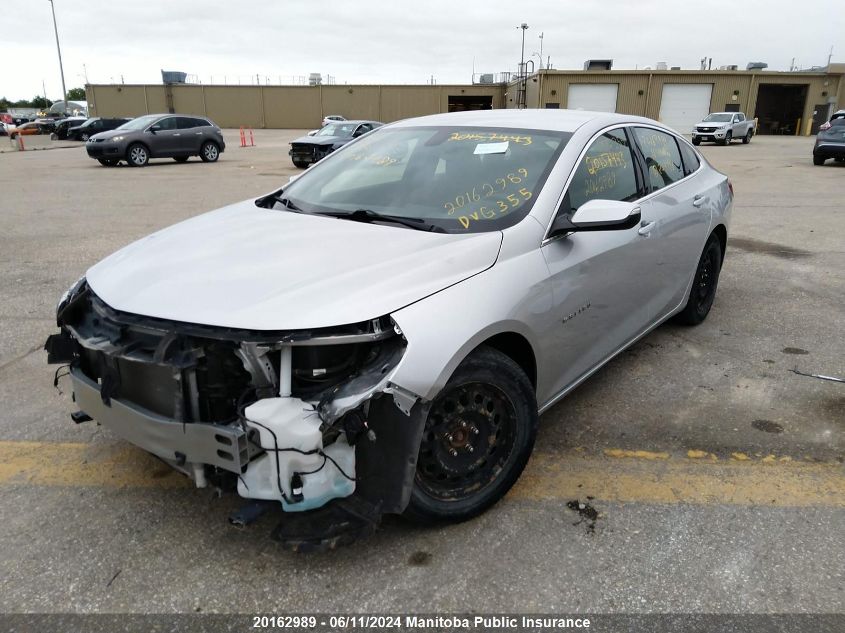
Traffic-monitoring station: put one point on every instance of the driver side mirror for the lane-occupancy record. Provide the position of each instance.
(598, 215)
(155, 128)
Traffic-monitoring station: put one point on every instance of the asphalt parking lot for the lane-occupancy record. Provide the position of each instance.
(716, 473)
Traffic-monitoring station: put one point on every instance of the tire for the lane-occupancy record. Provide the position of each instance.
(477, 439)
(84, 137)
(181, 159)
(108, 162)
(818, 160)
(300, 164)
(728, 138)
(696, 141)
(747, 138)
(137, 155)
(704, 284)
(54, 136)
(209, 152)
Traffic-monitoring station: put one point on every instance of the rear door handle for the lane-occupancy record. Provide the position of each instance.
(699, 199)
(645, 229)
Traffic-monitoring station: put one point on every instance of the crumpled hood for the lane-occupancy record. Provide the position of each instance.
(322, 140)
(261, 269)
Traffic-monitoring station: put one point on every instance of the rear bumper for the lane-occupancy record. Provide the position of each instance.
(829, 150)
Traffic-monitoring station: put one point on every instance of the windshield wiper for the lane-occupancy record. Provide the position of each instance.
(369, 216)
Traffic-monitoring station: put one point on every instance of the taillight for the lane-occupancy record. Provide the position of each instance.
(824, 126)
(731, 188)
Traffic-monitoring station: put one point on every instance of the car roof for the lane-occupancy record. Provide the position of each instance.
(357, 121)
(543, 119)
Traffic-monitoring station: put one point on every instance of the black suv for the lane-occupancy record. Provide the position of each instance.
(93, 126)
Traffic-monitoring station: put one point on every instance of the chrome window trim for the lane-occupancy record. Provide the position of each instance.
(615, 126)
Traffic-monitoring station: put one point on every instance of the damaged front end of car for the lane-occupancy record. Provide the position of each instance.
(308, 419)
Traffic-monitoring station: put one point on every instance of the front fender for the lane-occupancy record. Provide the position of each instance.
(442, 329)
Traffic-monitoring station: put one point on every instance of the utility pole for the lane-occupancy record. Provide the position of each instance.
(541, 51)
(59, 48)
(520, 102)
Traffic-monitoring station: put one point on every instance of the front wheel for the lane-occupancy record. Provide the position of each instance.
(137, 155)
(84, 137)
(107, 162)
(818, 160)
(300, 164)
(477, 439)
(180, 159)
(209, 152)
(728, 138)
(696, 141)
(703, 291)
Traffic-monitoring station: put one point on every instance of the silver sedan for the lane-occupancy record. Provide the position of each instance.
(381, 334)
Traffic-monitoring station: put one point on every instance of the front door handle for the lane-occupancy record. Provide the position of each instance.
(698, 200)
(645, 229)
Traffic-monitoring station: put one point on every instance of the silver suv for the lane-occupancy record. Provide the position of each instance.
(173, 136)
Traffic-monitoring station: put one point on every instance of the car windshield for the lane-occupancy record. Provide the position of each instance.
(140, 123)
(337, 129)
(718, 118)
(459, 180)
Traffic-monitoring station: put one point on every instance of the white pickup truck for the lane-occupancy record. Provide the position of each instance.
(722, 128)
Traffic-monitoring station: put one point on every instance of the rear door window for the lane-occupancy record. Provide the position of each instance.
(186, 123)
(662, 157)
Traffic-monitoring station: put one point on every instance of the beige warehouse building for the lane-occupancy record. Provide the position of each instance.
(783, 102)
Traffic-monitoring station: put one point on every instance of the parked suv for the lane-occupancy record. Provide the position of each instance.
(93, 126)
(722, 128)
(173, 136)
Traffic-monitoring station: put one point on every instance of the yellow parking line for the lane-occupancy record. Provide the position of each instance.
(780, 483)
(640, 476)
(55, 464)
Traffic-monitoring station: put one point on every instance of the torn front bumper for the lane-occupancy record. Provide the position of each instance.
(180, 444)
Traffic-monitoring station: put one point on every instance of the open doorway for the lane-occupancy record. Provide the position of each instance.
(459, 103)
(780, 108)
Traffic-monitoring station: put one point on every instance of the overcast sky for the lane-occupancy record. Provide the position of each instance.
(377, 41)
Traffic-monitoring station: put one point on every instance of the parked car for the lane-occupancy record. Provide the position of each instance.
(311, 148)
(722, 128)
(332, 118)
(381, 334)
(63, 125)
(93, 126)
(173, 136)
(28, 129)
(839, 114)
(830, 142)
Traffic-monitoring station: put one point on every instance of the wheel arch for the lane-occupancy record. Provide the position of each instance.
(721, 232)
(516, 347)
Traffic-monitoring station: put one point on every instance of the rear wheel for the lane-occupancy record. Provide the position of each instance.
(747, 138)
(209, 152)
(477, 439)
(107, 162)
(703, 291)
(818, 160)
(137, 155)
(180, 159)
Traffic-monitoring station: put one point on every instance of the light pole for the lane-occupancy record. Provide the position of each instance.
(59, 48)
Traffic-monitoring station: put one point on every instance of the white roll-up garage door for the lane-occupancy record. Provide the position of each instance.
(684, 105)
(595, 97)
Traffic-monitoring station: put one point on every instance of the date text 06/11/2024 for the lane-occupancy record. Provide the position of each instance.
(414, 621)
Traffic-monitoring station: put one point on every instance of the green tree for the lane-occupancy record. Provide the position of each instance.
(76, 94)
